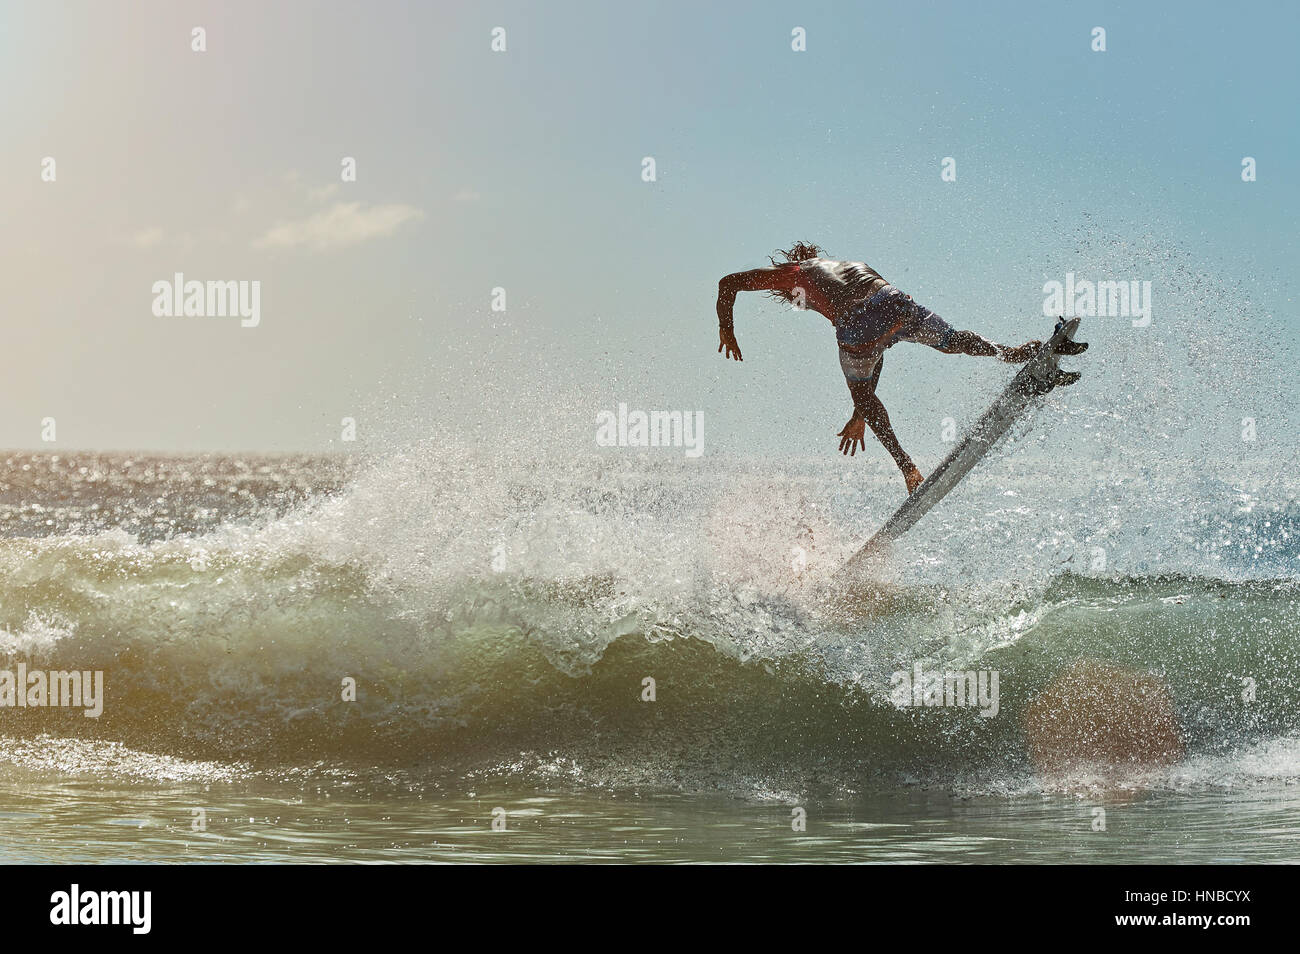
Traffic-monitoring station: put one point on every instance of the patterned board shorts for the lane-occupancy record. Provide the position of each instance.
(883, 320)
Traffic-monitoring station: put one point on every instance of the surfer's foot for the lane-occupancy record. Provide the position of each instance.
(1020, 355)
(1072, 347)
(913, 478)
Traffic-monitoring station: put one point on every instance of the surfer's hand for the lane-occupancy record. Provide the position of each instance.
(852, 437)
(727, 340)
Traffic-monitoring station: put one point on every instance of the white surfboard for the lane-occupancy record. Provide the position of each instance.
(1039, 375)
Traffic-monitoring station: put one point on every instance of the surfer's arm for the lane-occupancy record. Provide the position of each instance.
(864, 399)
(769, 278)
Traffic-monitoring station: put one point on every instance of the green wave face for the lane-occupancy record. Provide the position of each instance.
(242, 654)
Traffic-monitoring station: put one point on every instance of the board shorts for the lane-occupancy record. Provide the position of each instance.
(880, 322)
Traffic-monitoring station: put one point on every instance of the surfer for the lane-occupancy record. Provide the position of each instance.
(870, 316)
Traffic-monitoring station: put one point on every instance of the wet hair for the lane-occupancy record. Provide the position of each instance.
(798, 252)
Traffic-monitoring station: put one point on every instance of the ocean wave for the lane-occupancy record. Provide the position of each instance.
(492, 614)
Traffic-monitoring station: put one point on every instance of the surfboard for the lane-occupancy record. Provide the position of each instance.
(1039, 375)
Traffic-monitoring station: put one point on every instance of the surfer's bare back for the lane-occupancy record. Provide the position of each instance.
(870, 315)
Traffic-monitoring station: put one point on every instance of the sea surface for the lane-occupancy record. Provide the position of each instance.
(627, 657)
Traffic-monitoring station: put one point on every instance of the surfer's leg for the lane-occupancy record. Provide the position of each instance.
(862, 374)
(930, 329)
(878, 421)
(968, 342)
(873, 411)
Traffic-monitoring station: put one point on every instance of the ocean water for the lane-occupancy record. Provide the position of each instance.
(622, 656)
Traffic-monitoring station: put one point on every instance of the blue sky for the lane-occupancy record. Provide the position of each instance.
(521, 170)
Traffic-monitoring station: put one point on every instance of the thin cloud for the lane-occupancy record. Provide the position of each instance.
(341, 225)
(146, 238)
